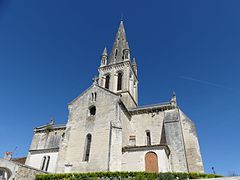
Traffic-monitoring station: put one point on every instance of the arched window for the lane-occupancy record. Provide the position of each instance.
(148, 135)
(47, 163)
(87, 147)
(92, 110)
(43, 163)
(5, 173)
(119, 81)
(92, 97)
(125, 54)
(107, 81)
(95, 96)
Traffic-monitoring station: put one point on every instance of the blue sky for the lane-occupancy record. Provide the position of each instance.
(49, 52)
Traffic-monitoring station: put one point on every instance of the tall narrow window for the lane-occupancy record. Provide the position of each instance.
(87, 148)
(116, 51)
(92, 96)
(107, 81)
(95, 96)
(148, 138)
(47, 163)
(119, 81)
(43, 163)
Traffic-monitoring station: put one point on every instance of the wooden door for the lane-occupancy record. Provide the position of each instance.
(151, 162)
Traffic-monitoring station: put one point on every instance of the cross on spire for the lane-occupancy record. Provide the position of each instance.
(122, 17)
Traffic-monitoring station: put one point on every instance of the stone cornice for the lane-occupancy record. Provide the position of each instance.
(50, 128)
(152, 108)
(40, 151)
(122, 63)
(146, 148)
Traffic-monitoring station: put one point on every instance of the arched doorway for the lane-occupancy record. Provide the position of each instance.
(151, 162)
(5, 173)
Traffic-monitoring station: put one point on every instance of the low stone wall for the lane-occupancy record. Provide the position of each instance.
(223, 178)
(17, 171)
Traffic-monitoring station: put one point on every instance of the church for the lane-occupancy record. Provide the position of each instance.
(107, 130)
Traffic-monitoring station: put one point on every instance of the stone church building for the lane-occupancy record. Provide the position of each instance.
(107, 130)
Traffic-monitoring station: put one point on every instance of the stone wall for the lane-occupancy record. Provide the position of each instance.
(193, 154)
(134, 160)
(46, 139)
(19, 171)
(129, 81)
(174, 138)
(147, 121)
(45, 143)
(80, 123)
(36, 159)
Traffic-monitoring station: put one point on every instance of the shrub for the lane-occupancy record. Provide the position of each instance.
(124, 176)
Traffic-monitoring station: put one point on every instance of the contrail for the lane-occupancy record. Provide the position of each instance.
(205, 82)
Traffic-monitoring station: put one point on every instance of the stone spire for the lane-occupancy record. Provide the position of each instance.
(134, 62)
(134, 65)
(120, 50)
(104, 57)
(105, 52)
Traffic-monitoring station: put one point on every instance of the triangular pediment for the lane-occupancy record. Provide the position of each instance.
(95, 88)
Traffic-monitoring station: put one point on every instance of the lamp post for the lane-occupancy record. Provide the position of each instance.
(213, 170)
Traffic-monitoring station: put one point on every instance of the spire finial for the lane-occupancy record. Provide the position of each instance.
(174, 99)
(134, 61)
(174, 94)
(104, 52)
(121, 16)
(52, 121)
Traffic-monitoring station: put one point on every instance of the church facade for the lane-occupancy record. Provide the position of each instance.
(107, 130)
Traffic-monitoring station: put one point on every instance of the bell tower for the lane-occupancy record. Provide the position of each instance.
(118, 73)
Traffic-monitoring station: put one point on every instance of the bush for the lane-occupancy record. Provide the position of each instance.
(124, 176)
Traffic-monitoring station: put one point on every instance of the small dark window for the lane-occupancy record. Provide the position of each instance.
(148, 138)
(92, 111)
(119, 81)
(116, 51)
(95, 96)
(125, 53)
(88, 146)
(107, 82)
(92, 97)
(132, 140)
